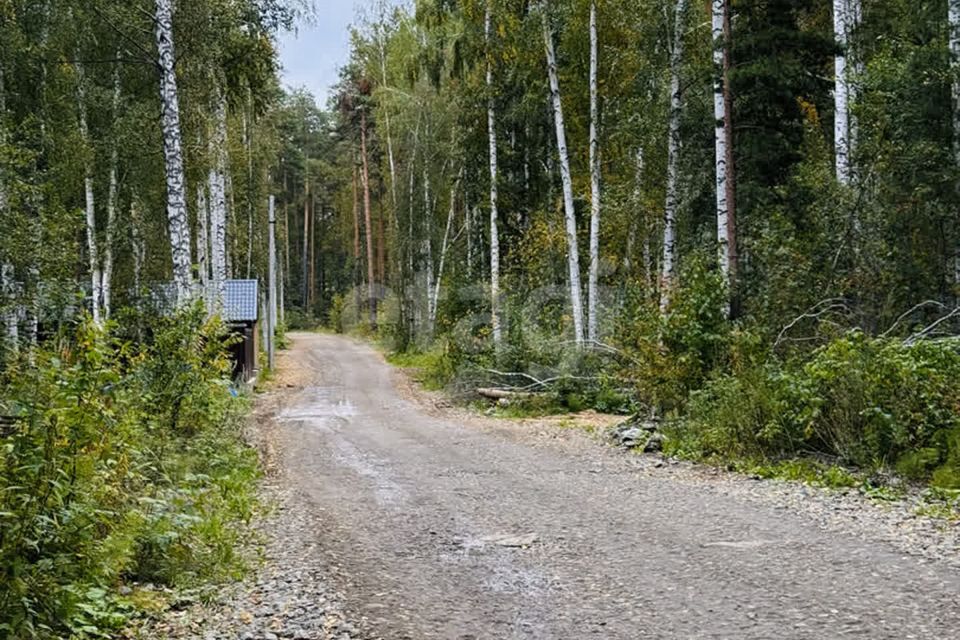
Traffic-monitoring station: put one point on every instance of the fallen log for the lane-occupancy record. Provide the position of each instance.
(506, 394)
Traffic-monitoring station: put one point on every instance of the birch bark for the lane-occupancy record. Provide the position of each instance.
(594, 274)
(203, 237)
(10, 319)
(93, 255)
(719, 9)
(173, 151)
(673, 155)
(112, 194)
(847, 15)
(494, 215)
(444, 247)
(573, 257)
(218, 199)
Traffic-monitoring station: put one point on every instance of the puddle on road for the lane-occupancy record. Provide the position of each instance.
(318, 403)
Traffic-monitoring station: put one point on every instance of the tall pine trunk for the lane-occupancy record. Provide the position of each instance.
(365, 181)
(357, 265)
(173, 151)
(494, 195)
(593, 277)
(668, 266)
(573, 254)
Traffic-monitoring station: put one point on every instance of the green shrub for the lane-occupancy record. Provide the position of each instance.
(124, 464)
(870, 402)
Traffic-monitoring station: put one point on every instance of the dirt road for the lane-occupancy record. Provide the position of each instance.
(440, 528)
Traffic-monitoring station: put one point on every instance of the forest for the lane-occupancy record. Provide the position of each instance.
(739, 219)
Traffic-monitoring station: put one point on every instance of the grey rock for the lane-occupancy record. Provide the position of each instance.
(654, 443)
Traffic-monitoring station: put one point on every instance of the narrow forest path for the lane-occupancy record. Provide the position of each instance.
(426, 526)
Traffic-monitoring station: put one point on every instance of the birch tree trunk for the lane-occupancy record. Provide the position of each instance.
(93, 255)
(444, 246)
(218, 199)
(428, 246)
(573, 257)
(725, 177)
(847, 15)
(138, 246)
(203, 237)
(365, 181)
(173, 151)
(494, 215)
(112, 193)
(673, 155)
(594, 274)
(10, 319)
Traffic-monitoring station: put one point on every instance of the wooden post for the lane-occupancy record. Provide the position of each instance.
(272, 291)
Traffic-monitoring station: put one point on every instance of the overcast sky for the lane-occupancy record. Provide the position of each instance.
(312, 56)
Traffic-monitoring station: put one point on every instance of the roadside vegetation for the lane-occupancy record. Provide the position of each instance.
(127, 486)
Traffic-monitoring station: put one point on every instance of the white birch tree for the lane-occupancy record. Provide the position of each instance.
(112, 194)
(847, 15)
(594, 274)
(173, 151)
(7, 286)
(218, 199)
(573, 256)
(668, 265)
(494, 216)
(93, 255)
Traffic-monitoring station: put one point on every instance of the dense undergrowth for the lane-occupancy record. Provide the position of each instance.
(843, 403)
(124, 475)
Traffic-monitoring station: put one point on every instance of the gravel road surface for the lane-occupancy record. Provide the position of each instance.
(432, 527)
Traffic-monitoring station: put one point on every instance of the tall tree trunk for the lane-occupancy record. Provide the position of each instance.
(428, 247)
(93, 254)
(173, 152)
(305, 263)
(733, 254)
(673, 156)
(573, 254)
(203, 237)
(494, 215)
(444, 246)
(312, 298)
(720, 136)
(112, 194)
(365, 176)
(357, 266)
(10, 319)
(381, 241)
(218, 198)
(847, 15)
(953, 19)
(251, 191)
(594, 274)
(138, 245)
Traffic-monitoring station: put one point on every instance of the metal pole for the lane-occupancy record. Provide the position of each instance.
(272, 291)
